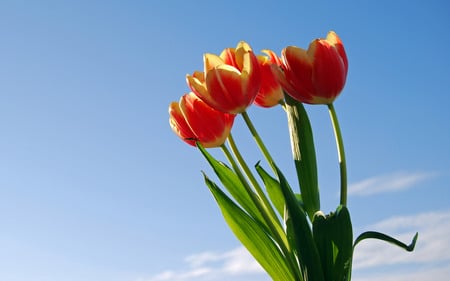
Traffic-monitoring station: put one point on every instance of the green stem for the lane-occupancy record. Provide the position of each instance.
(237, 170)
(259, 141)
(252, 178)
(261, 202)
(341, 153)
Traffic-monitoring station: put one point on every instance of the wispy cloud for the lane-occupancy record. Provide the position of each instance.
(215, 266)
(430, 258)
(388, 183)
(439, 273)
(433, 244)
(373, 260)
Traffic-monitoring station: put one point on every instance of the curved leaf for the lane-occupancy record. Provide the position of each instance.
(252, 236)
(300, 235)
(386, 238)
(273, 189)
(233, 184)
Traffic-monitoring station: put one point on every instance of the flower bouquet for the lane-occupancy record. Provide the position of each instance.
(282, 227)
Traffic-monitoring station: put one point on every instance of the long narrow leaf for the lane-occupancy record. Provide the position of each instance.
(252, 236)
(273, 189)
(304, 154)
(233, 184)
(386, 238)
(300, 235)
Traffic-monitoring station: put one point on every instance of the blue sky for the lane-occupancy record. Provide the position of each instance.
(95, 186)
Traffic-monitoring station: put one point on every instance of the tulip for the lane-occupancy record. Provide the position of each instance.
(193, 120)
(229, 82)
(270, 93)
(316, 75)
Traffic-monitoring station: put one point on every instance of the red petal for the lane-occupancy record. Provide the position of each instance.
(225, 89)
(270, 93)
(179, 125)
(329, 71)
(298, 71)
(209, 125)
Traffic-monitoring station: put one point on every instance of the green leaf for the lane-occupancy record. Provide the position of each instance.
(300, 200)
(304, 154)
(386, 238)
(300, 235)
(252, 236)
(334, 239)
(233, 184)
(273, 189)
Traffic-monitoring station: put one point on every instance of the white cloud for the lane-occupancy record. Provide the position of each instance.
(388, 183)
(430, 258)
(373, 259)
(440, 273)
(239, 261)
(433, 244)
(191, 274)
(214, 266)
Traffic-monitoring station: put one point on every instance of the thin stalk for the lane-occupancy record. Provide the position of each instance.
(341, 153)
(241, 176)
(259, 141)
(252, 179)
(260, 201)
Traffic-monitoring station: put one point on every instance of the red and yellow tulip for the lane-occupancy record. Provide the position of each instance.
(316, 75)
(193, 120)
(229, 82)
(270, 93)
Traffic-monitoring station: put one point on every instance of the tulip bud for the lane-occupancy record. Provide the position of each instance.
(193, 120)
(270, 93)
(316, 75)
(230, 82)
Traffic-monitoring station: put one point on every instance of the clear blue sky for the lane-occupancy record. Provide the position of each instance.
(94, 186)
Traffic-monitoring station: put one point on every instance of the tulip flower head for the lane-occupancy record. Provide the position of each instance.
(229, 82)
(270, 93)
(316, 75)
(193, 120)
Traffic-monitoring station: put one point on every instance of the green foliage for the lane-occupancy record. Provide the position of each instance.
(334, 240)
(309, 245)
(299, 234)
(233, 184)
(252, 236)
(386, 238)
(273, 189)
(304, 154)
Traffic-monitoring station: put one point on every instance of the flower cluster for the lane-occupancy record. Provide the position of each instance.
(237, 78)
(284, 230)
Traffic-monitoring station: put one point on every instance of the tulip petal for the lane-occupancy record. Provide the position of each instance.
(228, 56)
(329, 72)
(298, 72)
(210, 126)
(270, 93)
(335, 41)
(225, 93)
(241, 51)
(273, 58)
(179, 125)
(250, 76)
(279, 73)
(211, 61)
(196, 83)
